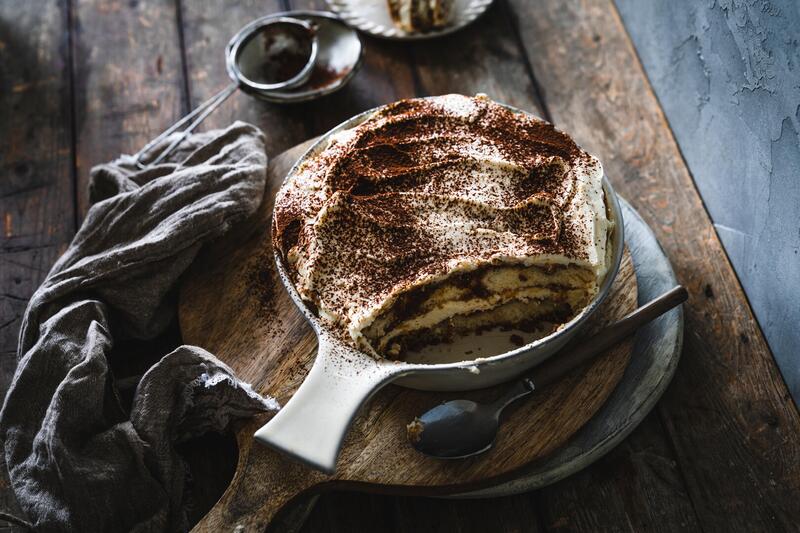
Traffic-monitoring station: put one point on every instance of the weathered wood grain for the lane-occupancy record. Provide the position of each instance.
(728, 414)
(727, 77)
(345, 512)
(36, 189)
(128, 79)
(37, 205)
(257, 330)
(639, 480)
(485, 57)
(736, 442)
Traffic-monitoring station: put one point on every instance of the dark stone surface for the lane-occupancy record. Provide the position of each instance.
(727, 74)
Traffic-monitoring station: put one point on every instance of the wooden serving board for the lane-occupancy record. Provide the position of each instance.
(233, 304)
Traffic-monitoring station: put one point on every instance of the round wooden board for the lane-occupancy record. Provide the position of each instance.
(232, 304)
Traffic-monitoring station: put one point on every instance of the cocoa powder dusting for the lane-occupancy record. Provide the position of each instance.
(394, 202)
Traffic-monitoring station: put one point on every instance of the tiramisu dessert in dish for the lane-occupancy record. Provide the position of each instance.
(420, 15)
(442, 216)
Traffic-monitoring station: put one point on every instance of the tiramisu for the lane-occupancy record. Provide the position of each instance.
(440, 216)
(420, 15)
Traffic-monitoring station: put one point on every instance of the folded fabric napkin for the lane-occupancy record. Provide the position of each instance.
(78, 457)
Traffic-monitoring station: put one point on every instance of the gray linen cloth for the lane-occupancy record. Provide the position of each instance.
(77, 457)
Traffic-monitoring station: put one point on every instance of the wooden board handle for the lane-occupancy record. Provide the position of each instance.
(264, 482)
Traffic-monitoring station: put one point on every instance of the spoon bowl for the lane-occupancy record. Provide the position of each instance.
(455, 429)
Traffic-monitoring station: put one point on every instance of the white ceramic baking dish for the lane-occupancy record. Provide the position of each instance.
(312, 425)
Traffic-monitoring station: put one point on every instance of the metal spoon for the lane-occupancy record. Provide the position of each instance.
(463, 428)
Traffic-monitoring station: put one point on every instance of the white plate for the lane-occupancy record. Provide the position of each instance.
(372, 16)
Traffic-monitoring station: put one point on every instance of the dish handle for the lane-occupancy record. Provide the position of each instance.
(312, 425)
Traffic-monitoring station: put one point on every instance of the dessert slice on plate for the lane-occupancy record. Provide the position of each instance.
(420, 15)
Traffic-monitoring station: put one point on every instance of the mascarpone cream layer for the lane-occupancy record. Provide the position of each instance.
(426, 189)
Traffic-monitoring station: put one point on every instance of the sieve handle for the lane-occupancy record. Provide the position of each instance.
(193, 120)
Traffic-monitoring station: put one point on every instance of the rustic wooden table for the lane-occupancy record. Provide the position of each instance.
(83, 81)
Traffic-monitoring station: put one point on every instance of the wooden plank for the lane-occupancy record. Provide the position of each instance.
(726, 77)
(37, 205)
(728, 414)
(128, 79)
(345, 512)
(637, 487)
(483, 58)
(36, 192)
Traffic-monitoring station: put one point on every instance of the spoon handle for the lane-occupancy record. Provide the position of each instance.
(521, 388)
(587, 349)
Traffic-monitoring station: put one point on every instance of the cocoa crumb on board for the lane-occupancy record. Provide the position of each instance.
(260, 280)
